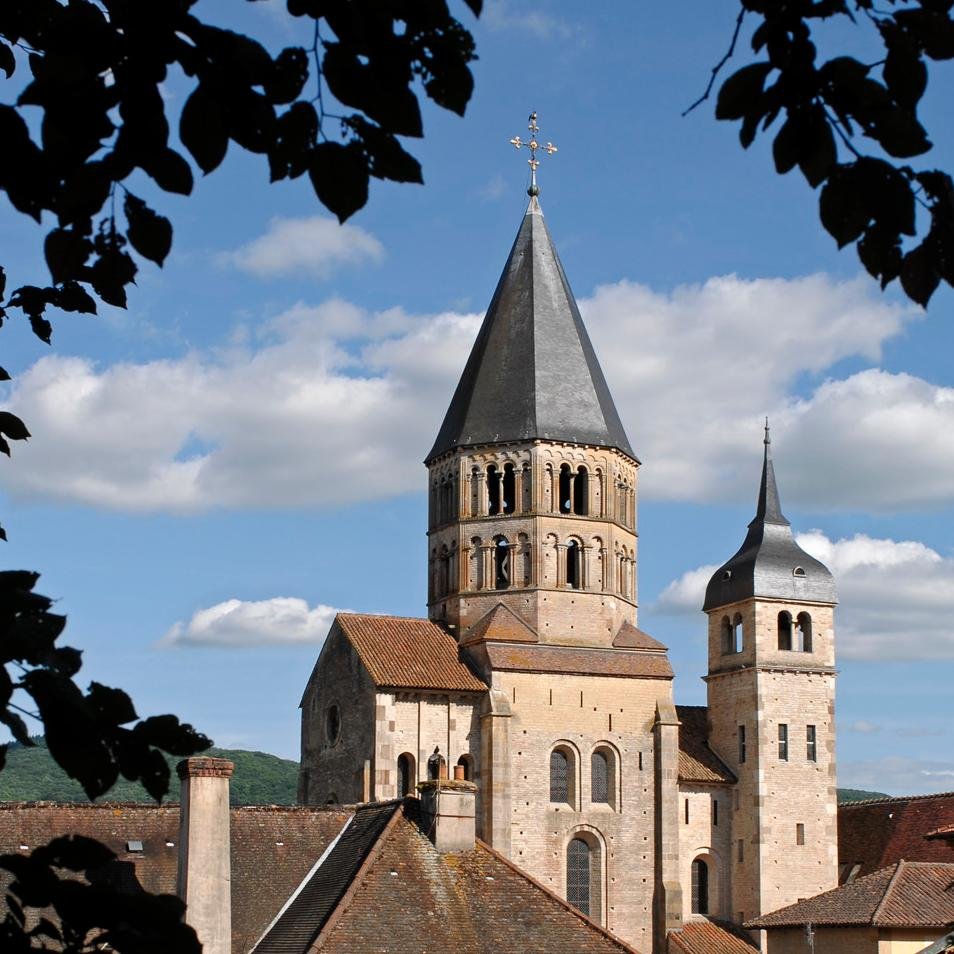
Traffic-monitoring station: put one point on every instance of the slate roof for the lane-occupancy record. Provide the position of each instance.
(909, 894)
(501, 624)
(532, 350)
(880, 832)
(530, 657)
(407, 653)
(404, 895)
(697, 762)
(272, 848)
(709, 937)
(764, 565)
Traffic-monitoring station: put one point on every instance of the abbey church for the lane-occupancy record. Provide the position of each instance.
(531, 681)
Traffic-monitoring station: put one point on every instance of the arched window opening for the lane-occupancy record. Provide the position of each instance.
(583, 877)
(405, 774)
(785, 631)
(566, 502)
(727, 644)
(501, 564)
(436, 765)
(803, 633)
(700, 887)
(332, 799)
(493, 490)
(599, 777)
(509, 502)
(560, 776)
(467, 762)
(737, 633)
(581, 489)
(573, 565)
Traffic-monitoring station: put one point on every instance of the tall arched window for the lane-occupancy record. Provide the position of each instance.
(573, 574)
(785, 631)
(566, 503)
(737, 635)
(493, 490)
(726, 630)
(501, 563)
(581, 492)
(559, 776)
(700, 887)
(599, 777)
(405, 774)
(509, 502)
(803, 633)
(583, 887)
(443, 576)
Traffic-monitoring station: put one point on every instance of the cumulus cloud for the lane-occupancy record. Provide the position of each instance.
(281, 621)
(896, 598)
(313, 246)
(506, 16)
(305, 414)
(897, 775)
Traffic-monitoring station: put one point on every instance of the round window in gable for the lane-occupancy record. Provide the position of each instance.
(726, 574)
(798, 571)
(333, 724)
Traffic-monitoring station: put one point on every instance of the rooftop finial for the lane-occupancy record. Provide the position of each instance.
(533, 146)
(768, 439)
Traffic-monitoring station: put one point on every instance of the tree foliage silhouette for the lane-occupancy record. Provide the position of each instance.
(848, 125)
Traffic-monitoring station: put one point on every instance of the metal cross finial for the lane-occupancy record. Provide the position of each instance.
(768, 440)
(533, 146)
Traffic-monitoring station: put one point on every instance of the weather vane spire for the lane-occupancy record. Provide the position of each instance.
(533, 145)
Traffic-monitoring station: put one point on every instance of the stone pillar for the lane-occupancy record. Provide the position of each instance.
(667, 905)
(604, 569)
(448, 813)
(464, 582)
(496, 812)
(561, 564)
(517, 490)
(586, 570)
(555, 491)
(205, 877)
(490, 574)
(482, 501)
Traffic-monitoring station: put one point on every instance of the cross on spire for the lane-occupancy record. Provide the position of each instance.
(533, 145)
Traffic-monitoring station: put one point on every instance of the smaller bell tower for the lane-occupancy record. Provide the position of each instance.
(771, 693)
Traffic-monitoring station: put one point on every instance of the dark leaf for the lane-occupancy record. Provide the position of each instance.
(933, 31)
(13, 427)
(819, 154)
(3, 375)
(919, 277)
(787, 145)
(149, 234)
(170, 171)
(73, 297)
(8, 61)
(476, 6)
(296, 132)
(905, 73)
(110, 707)
(740, 93)
(339, 176)
(16, 725)
(3, 282)
(202, 129)
(842, 209)
(31, 299)
(166, 732)
(289, 75)
(41, 328)
(66, 252)
(387, 158)
(880, 253)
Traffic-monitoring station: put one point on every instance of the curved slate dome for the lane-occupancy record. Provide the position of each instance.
(770, 564)
(532, 373)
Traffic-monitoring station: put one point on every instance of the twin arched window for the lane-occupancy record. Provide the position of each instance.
(794, 636)
(731, 634)
(602, 776)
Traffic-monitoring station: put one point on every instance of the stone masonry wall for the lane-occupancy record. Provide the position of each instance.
(707, 835)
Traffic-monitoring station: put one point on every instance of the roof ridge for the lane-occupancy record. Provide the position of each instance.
(344, 902)
(554, 896)
(896, 798)
(898, 869)
(417, 619)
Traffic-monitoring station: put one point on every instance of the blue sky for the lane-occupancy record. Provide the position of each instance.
(217, 469)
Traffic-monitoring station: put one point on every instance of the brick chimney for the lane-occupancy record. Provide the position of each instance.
(205, 878)
(448, 810)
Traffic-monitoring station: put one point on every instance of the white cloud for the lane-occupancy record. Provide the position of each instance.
(313, 246)
(863, 726)
(333, 404)
(234, 623)
(896, 597)
(897, 775)
(505, 16)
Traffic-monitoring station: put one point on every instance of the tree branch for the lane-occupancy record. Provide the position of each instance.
(718, 67)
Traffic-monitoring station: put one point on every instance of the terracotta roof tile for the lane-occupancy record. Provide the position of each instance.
(912, 894)
(408, 653)
(501, 624)
(586, 662)
(485, 904)
(709, 937)
(697, 762)
(629, 637)
(880, 832)
(273, 848)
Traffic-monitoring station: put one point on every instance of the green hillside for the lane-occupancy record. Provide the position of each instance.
(857, 795)
(259, 779)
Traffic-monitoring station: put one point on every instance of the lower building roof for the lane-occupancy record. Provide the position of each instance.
(704, 936)
(698, 764)
(577, 660)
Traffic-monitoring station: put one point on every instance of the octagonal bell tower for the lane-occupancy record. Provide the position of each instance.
(532, 478)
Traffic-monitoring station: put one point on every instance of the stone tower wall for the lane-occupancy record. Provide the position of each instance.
(706, 834)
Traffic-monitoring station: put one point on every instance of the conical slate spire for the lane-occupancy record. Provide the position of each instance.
(770, 564)
(532, 373)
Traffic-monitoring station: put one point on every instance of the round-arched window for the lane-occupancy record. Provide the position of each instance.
(332, 724)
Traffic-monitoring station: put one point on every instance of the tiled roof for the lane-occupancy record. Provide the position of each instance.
(273, 848)
(629, 637)
(709, 937)
(501, 624)
(876, 833)
(407, 896)
(911, 894)
(697, 762)
(586, 662)
(407, 653)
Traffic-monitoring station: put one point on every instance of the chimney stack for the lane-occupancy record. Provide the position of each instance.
(205, 878)
(448, 809)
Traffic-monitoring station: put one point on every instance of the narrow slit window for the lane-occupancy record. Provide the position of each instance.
(741, 744)
(799, 834)
(782, 742)
(811, 743)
